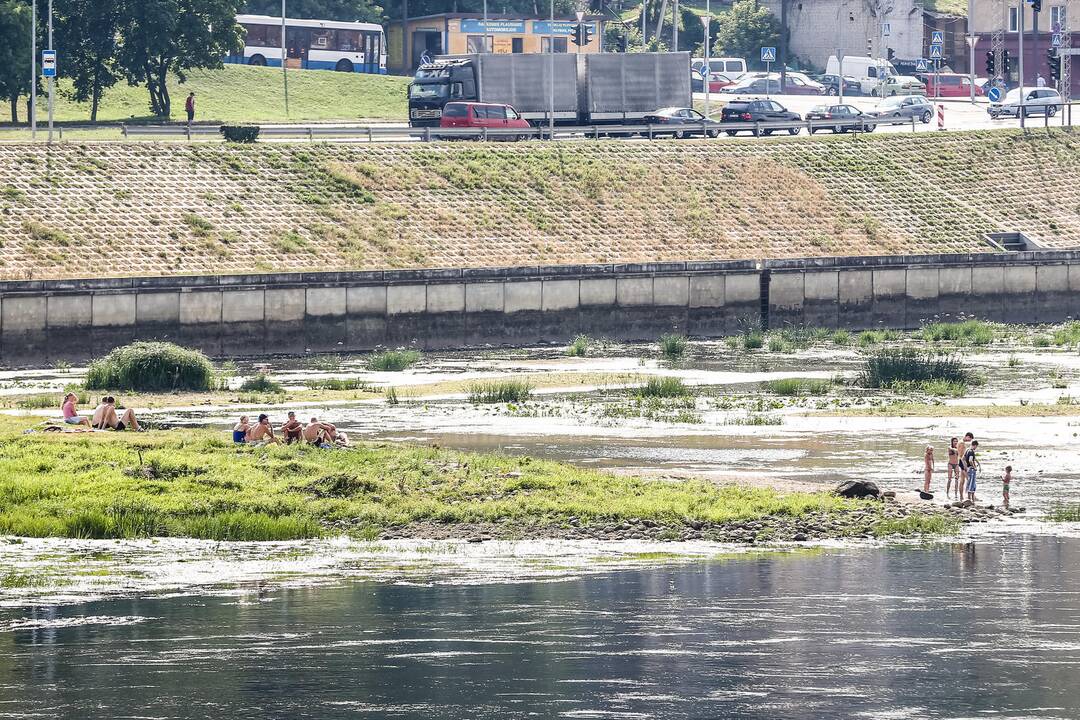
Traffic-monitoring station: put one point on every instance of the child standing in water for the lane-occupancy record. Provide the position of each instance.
(1006, 480)
(954, 468)
(928, 467)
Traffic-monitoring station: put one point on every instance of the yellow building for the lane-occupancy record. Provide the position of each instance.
(461, 33)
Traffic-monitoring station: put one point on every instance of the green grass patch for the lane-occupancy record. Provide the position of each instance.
(673, 346)
(1064, 512)
(499, 391)
(580, 346)
(338, 384)
(755, 419)
(969, 332)
(936, 388)
(887, 367)
(198, 484)
(261, 383)
(1068, 335)
(797, 386)
(151, 367)
(753, 340)
(841, 337)
(394, 360)
(916, 525)
(664, 387)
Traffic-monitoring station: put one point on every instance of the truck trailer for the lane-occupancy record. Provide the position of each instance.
(604, 88)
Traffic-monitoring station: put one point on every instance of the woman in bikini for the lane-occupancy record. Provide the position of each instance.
(954, 467)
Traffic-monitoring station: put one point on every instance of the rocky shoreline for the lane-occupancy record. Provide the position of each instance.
(860, 522)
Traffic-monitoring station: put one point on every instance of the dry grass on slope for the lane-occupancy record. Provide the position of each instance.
(145, 209)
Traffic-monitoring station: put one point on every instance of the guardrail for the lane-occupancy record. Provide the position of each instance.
(388, 133)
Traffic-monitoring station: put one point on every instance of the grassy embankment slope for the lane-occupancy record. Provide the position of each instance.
(239, 93)
(78, 210)
(198, 484)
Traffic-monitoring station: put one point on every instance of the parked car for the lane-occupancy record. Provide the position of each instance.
(760, 110)
(903, 107)
(730, 66)
(802, 84)
(902, 85)
(951, 85)
(717, 82)
(1037, 101)
(840, 119)
(675, 117)
(754, 86)
(483, 115)
(832, 84)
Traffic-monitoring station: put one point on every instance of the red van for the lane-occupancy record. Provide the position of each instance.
(952, 85)
(483, 115)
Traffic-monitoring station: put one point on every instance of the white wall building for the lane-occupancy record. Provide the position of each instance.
(819, 27)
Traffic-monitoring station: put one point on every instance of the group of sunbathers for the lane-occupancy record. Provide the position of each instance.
(316, 432)
(105, 415)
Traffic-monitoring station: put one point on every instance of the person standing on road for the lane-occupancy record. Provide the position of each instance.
(1040, 81)
(189, 107)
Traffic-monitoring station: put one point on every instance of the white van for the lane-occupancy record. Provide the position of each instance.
(870, 72)
(731, 67)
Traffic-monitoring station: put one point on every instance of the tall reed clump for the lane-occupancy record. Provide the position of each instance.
(797, 386)
(664, 387)
(969, 332)
(261, 383)
(150, 367)
(672, 346)
(499, 391)
(580, 346)
(886, 368)
(394, 360)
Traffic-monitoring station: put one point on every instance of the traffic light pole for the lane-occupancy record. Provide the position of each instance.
(1023, 112)
(972, 41)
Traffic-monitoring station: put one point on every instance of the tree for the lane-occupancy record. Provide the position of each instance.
(160, 37)
(88, 33)
(14, 52)
(347, 10)
(746, 29)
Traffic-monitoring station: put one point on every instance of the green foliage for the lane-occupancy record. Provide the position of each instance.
(580, 346)
(664, 387)
(1064, 512)
(937, 388)
(51, 400)
(797, 386)
(14, 52)
(1041, 341)
(261, 383)
(151, 366)
(1067, 335)
(754, 340)
(338, 384)
(245, 134)
(841, 337)
(394, 360)
(916, 525)
(347, 10)
(744, 30)
(88, 31)
(499, 391)
(887, 367)
(672, 346)
(969, 332)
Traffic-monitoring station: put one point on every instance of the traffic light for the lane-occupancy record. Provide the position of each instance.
(869, 47)
(1036, 5)
(1054, 62)
(588, 32)
(579, 37)
(990, 64)
(1005, 64)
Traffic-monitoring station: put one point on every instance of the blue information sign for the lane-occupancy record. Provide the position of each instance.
(492, 26)
(561, 27)
(48, 63)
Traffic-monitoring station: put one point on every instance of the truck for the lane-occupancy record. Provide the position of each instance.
(589, 89)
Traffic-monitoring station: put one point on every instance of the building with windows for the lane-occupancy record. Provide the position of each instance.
(461, 33)
(1039, 31)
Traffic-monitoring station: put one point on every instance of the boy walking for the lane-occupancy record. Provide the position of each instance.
(971, 463)
(189, 108)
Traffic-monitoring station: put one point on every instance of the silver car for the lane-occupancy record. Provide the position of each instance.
(1037, 101)
(902, 108)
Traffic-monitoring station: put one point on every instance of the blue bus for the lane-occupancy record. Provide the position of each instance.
(313, 44)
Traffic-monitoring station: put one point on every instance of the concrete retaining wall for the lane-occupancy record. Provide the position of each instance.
(42, 321)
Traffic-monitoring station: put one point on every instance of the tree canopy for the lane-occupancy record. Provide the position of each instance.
(14, 52)
(744, 30)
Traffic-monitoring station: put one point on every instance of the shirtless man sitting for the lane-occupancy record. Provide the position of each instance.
(262, 432)
(292, 430)
(318, 433)
(105, 417)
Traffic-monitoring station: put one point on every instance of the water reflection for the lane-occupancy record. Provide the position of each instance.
(946, 631)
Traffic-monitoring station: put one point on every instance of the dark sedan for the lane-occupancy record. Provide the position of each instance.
(675, 116)
(839, 119)
(759, 111)
(852, 86)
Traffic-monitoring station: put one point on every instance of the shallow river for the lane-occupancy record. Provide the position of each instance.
(983, 628)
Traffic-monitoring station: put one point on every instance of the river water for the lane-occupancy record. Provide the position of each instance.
(985, 627)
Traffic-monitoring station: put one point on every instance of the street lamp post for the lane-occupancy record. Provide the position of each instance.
(972, 41)
(285, 59)
(551, 74)
(708, 67)
(52, 80)
(33, 70)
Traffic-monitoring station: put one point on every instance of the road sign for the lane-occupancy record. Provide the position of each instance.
(886, 29)
(935, 52)
(937, 38)
(1055, 40)
(768, 54)
(921, 65)
(48, 63)
(994, 95)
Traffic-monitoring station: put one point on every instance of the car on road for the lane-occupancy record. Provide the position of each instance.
(832, 84)
(730, 66)
(1037, 101)
(902, 85)
(948, 85)
(717, 82)
(675, 117)
(760, 111)
(754, 86)
(802, 84)
(901, 108)
(491, 116)
(839, 119)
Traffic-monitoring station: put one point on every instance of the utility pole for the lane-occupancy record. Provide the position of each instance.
(52, 80)
(972, 41)
(551, 74)
(675, 26)
(33, 70)
(1021, 53)
(705, 20)
(285, 58)
(783, 45)
(644, 42)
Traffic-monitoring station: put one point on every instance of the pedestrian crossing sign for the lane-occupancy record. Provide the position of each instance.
(935, 52)
(937, 38)
(768, 54)
(920, 65)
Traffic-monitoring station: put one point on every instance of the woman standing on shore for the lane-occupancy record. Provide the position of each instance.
(928, 467)
(954, 468)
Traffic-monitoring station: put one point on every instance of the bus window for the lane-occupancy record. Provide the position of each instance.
(322, 39)
(349, 40)
(263, 36)
(369, 43)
